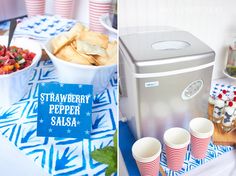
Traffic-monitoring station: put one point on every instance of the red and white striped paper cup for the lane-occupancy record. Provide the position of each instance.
(176, 142)
(96, 9)
(64, 8)
(35, 7)
(146, 151)
(201, 130)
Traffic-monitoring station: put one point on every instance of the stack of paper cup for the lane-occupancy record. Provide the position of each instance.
(35, 7)
(64, 8)
(201, 130)
(176, 142)
(96, 9)
(146, 151)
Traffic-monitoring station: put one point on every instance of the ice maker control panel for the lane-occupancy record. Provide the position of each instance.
(192, 89)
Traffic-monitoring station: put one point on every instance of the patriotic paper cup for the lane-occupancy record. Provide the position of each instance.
(35, 7)
(176, 142)
(146, 151)
(96, 9)
(64, 8)
(201, 130)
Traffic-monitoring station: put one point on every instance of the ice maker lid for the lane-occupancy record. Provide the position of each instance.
(152, 46)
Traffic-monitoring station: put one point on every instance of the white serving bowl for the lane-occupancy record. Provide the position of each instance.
(67, 72)
(15, 85)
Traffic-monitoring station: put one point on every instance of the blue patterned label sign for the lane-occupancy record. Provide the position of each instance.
(64, 110)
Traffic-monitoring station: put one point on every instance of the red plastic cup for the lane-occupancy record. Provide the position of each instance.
(35, 7)
(176, 142)
(96, 9)
(64, 8)
(146, 151)
(201, 130)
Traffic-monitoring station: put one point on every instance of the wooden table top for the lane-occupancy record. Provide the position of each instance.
(220, 137)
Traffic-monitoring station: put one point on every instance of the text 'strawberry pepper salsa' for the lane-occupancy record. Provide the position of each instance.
(14, 58)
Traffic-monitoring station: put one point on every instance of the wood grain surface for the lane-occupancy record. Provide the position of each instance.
(162, 171)
(220, 137)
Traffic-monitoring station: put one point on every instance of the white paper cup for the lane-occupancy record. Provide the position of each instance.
(146, 151)
(201, 130)
(176, 142)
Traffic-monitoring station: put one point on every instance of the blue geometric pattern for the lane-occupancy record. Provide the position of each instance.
(4, 25)
(217, 89)
(43, 27)
(190, 162)
(60, 156)
(213, 152)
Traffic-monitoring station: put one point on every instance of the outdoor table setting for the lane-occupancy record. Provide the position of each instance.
(18, 121)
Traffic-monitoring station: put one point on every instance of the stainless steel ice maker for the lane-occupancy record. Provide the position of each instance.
(165, 80)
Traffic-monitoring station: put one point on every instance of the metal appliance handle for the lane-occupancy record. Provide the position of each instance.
(174, 72)
(122, 87)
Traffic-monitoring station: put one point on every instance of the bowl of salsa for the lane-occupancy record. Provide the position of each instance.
(16, 68)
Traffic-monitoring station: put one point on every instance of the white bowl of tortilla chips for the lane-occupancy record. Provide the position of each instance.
(83, 57)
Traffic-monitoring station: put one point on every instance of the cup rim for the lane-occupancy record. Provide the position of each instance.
(199, 134)
(173, 131)
(100, 1)
(139, 142)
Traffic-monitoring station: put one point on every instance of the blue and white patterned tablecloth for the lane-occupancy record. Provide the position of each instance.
(60, 156)
(190, 162)
(127, 139)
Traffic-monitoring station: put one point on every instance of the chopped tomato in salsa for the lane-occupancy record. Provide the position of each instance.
(14, 58)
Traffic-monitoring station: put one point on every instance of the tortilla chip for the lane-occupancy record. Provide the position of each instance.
(86, 48)
(111, 57)
(100, 60)
(82, 46)
(112, 49)
(94, 38)
(60, 41)
(67, 53)
(77, 28)
(90, 58)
